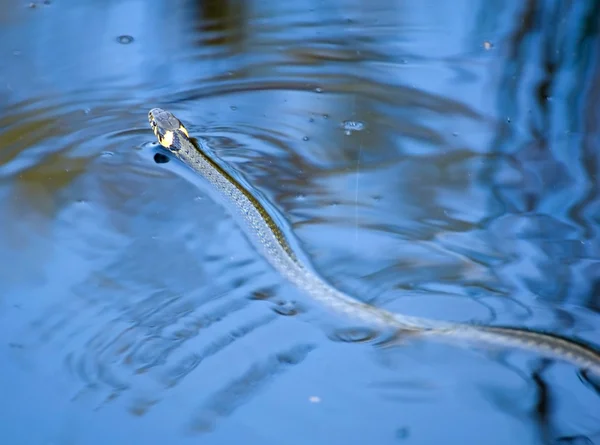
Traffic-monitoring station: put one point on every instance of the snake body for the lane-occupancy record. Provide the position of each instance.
(266, 235)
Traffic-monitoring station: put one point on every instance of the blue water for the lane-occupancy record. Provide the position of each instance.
(433, 158)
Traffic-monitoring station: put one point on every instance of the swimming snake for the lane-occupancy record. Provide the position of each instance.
(266, 235)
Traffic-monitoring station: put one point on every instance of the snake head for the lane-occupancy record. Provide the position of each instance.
(167, 128)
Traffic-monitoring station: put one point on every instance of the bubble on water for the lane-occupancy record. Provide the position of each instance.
(352, 126)
(353, 335)
(124, 39)
(233, 108)
(287, 308)
(318, 90)
(305, 138)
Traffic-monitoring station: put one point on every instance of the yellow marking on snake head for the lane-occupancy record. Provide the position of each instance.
(183, 130)
(166, 140)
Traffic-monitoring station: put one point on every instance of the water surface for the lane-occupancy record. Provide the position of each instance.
(433, 158)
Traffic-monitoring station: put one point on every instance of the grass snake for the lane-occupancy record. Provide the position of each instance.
(261, 228)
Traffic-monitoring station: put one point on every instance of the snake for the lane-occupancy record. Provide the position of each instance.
(263, 228)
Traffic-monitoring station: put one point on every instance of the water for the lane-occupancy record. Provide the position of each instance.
(434, 158)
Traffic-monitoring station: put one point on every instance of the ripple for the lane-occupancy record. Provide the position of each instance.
(399, 94)
(354, 335)
(125, 39)
(176, 373)
(122, 350)
(149, 353)
(225, 401)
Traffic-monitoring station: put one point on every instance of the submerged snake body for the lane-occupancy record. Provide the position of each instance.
(268, 237)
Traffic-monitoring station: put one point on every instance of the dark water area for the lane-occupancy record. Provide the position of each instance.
(434, 158)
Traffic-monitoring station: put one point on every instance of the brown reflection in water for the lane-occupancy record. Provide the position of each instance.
(221, 22)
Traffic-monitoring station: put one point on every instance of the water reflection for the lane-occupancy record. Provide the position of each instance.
(423, 170)
(222, 23)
